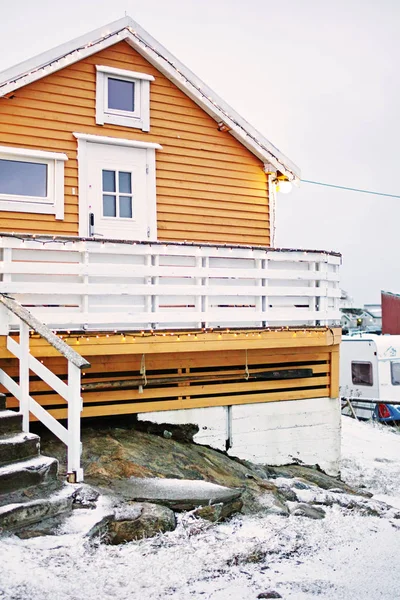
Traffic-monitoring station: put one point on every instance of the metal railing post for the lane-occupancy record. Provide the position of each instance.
(75, 472)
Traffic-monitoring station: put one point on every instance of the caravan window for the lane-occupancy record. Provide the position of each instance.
(361, 373)
(395, 372)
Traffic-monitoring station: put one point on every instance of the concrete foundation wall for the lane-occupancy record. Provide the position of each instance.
(273, 433)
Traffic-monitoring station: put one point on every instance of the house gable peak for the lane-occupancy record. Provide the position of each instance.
(126, 29)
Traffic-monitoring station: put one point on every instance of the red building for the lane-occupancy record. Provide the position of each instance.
(390, 313)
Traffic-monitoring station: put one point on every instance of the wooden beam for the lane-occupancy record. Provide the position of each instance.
(334, 389)
(192, 391)
(143, 407)
(116, 344)
(262, 374)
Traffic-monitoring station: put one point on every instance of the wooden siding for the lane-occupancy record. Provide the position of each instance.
(212, 391)
(209, 187)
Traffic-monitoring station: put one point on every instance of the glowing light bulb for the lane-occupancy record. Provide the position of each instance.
(284, 186)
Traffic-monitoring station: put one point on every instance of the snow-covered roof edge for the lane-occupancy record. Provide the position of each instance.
(127, 29)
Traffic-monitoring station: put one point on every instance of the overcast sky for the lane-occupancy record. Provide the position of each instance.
(319, 79)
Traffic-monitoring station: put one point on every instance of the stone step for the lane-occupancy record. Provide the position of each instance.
(27, 473)
(19, 516)
(18, 447)
(10, 422)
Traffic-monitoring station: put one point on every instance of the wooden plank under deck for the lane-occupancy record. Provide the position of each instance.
(213, 368)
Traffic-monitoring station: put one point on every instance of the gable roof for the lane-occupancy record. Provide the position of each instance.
(128, 30)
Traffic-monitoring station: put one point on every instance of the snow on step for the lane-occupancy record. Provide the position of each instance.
(10, 422)
(8, 413)
(20, 515)
(17, 438)
(27, 473)
(18, 446)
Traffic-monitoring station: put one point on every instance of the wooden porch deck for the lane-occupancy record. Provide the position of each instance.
(135, 373)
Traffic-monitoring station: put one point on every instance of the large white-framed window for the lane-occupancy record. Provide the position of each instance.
(123, 97)
(32, 181)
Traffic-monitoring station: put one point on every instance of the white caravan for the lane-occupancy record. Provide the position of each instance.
(370, 368)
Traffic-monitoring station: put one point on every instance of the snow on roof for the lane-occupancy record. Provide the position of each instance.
(128, 30)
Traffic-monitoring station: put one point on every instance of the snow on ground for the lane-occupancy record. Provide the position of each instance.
(342, 557)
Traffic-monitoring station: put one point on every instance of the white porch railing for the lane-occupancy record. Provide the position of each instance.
(71, 283)
(70, 391)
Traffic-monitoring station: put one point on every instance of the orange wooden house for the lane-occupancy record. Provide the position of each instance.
(137, 263)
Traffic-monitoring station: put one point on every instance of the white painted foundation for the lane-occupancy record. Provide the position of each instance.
(273, 433)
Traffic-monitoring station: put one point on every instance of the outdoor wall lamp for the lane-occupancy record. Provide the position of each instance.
(283, 185)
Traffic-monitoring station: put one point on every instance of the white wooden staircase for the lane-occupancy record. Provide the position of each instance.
(29, 488)
(70, 391)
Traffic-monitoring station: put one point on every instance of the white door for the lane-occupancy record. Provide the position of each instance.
(120, 193)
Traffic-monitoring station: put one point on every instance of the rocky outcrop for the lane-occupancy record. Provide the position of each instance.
(178, 494)
(301, 509)
(111, 456)
(215, 513)
(151, 476)
(134, 521)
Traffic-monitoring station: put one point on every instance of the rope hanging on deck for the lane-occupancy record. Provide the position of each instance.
(246, 370)
(143, 370)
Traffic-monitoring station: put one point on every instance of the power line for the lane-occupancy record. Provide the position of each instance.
(342, 187)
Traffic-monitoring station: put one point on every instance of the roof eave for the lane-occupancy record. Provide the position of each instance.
(130, 31)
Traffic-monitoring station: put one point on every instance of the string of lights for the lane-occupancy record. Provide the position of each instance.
(193, 335)
(43, 239)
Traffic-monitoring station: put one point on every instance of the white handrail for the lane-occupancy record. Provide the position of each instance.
(71, 391)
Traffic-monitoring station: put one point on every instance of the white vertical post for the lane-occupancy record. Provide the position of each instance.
(313, 302)
(84, 259)
(4, 320)
(24, 374)
(205, 305)
(75, 472)
(323, 285)
(272, 207)
(7, 262)
(199, 297)
(229, 429)
(336, 299)
(257, 264)
(155, 299)
(264, 284)
(148, 281)
(5, 278)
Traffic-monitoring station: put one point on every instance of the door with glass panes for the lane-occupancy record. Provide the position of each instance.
(117, 193)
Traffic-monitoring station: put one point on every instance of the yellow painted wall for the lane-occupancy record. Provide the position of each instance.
(209, 187)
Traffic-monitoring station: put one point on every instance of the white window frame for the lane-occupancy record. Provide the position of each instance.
(53, 203)
(140, 117)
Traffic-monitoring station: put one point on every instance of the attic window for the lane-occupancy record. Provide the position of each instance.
(123, 98)
(32, 181)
